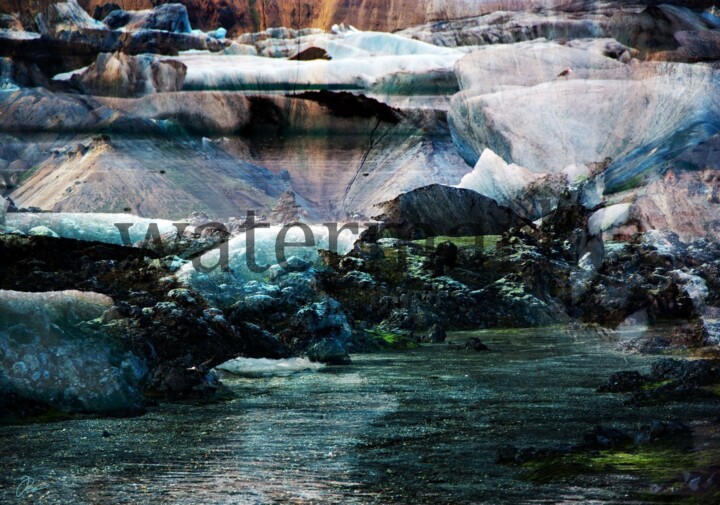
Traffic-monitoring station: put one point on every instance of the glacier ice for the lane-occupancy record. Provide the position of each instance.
(51, 352)
(225, 286)
(86, 226)
(358, 60)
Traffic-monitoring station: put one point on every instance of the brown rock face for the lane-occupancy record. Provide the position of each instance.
(239, 16)
(125, 76)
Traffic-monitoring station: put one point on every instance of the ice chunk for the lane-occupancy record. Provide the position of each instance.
(263, 367)
(608, 218)
(48, 353)
(260, 260)
(495, 178)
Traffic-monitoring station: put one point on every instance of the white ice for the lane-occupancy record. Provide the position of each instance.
(85, 226)
(263, 367)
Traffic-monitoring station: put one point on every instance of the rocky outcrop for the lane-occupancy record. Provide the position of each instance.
(508, 26)
(164, 178)
(243, 16)
(668, 32)
(168, 17)
(122, 75)
(52, 355)
(685, 201)
(438, 210)
(65, 17)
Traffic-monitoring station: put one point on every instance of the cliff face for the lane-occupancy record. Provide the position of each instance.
(382, 15)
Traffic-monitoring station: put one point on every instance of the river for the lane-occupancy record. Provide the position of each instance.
(418, 426)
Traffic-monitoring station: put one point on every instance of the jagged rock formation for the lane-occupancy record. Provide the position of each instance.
(286, 210)
(129, 76)
(61, 36)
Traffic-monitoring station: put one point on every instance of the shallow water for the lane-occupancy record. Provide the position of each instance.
(413, 427)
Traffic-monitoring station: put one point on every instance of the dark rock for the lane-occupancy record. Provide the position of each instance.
(602, 437)
(328, 351)
(436, 334)
(445, 256)
(691, 372)
(181, 378)
(437, 210)
(166, 17)
(100, 12)
(296, 264)
(311, 53)
(348, 105)
(259, 343)
(322, 319)
(474, 344)
(116, 18)
(622, 382)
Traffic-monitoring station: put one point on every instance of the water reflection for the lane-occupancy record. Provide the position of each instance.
(417, 427)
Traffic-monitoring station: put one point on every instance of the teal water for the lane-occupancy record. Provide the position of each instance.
(419, 426)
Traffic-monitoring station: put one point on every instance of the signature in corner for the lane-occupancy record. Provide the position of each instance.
(27, 486)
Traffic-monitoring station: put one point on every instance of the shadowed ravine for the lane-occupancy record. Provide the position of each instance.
(420, 426)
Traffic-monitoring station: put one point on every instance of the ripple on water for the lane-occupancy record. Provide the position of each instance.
(419, 427)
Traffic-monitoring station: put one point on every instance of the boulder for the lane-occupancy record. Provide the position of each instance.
(100, 12)
(51, 356)
(669, 32)
(438, 210)
(622, 382)
(436, 334)
(329, 351)
(122, 75)
(322, 319)
(65, 17)
(166, 17)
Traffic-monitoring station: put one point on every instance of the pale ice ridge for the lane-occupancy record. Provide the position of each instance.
(224, 286)
(263, 367)
(233, 72)
(86, 226)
